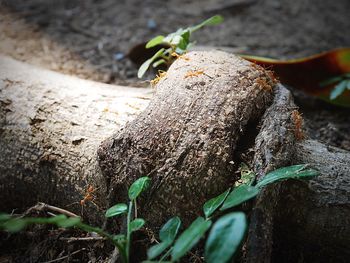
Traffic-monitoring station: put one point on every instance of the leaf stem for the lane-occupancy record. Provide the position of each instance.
(135, 212)
(165, 255)
(102, 233)
(128, 232)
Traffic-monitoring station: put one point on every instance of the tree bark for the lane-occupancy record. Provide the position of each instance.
(296, 220)
(187, 138)
(50, 129)
(211, 111)
(305, 221)
(314, 216)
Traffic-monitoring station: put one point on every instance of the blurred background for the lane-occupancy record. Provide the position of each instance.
(92, 38)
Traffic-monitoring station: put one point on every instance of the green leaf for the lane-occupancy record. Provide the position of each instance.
(331, 81)
(14, 225)
(119, 237)
(185, 40)
(156, 250)
(210, 206)
(45, 220)
(180, 51)
(17, 224)
(338, 89)
(239, 195)
(190, 237)
(136, 224)
(69, 222)
(225, 237)
(173, 37)
(138, 187)
(148, 62)
(4, 217)
(214, 20)
(176, 40)
(294, 171)
(158, 63)
(117, 209)
(348, 85)
(155, 41)
(121, 240)
(167, 235)
(170, 229)
(54, 219)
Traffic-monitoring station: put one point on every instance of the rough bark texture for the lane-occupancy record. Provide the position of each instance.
(314, 216)
(298, 221)
(187, 138)
(274, 148)
(209, 111)
(50, 128)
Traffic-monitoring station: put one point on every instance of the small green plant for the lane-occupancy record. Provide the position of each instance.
(132, 224)
(121, 241)
(341, 83)
(177, 43)
(226, 233)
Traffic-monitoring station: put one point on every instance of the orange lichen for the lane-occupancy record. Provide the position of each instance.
(161, 74)
(298, 125)
(194, 73)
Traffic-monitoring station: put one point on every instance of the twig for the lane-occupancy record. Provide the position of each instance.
(73, 239)
(64, 257)
(42, 207)
(197, 258)
(115, 256)
(51, 214)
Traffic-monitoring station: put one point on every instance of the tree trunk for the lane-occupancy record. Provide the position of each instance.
(211, 111)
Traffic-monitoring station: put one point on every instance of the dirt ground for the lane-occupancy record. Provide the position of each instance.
(87, 37)
(91, 38)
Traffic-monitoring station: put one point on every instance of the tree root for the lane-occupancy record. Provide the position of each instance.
(190, 141)
(187, 137)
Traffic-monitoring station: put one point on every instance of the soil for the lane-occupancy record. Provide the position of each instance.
(91, 39)
(60, 34)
